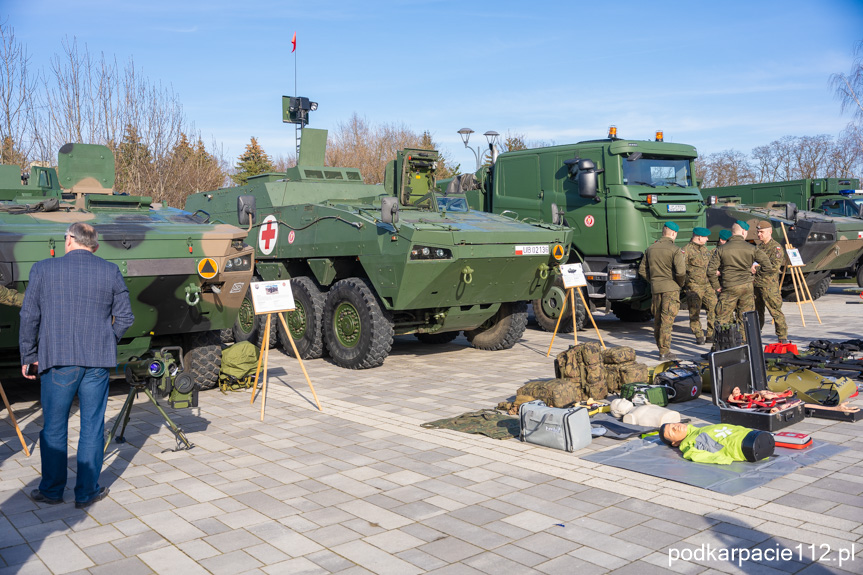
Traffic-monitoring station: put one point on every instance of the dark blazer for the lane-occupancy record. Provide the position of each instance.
(68, 308)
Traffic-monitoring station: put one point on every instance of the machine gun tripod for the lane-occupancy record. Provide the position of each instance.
(162, 374)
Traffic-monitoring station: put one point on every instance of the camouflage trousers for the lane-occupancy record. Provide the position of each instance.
(696, 297)
(665, 307)
(770, 298)
(740, 298)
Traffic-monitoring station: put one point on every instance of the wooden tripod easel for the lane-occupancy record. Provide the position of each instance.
(570, 295)
(265, 358)
(14, 421)
(799, 283)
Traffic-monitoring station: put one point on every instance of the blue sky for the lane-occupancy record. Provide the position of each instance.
(717, 75)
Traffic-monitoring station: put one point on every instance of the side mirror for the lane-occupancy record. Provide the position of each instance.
(791, 211)
(584, 171)
(245, 210)
(389, 210)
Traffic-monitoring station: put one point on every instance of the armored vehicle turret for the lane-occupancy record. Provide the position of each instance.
(186, 277)
(368, 261)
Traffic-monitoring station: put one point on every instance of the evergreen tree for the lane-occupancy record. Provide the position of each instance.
(252, 162)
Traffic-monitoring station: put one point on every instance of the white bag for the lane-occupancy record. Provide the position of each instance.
(567, 429)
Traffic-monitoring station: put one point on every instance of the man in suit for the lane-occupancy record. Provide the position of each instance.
(76, 308)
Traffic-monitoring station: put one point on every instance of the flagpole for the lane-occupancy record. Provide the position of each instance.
(296, 133)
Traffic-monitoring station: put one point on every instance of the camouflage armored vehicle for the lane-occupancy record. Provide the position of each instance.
(616, 194)
(367, 261)
(839, 199)
(824, 243)
(186, 277)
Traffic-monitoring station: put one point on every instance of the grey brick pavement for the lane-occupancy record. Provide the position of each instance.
(362, 488)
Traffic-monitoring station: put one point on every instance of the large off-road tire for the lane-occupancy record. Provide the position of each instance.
(818, 283)
(306, 321)
(250, 327)
(860, 276)
(202, 357)
(501, 331)
(625, 312)
(437, 338)
(358, 332)
(226, 336)
(546, 310)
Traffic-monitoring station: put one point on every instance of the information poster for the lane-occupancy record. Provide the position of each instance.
(271, 297)
(794, 257)
(573, 276)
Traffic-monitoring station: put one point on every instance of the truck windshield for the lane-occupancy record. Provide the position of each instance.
(452, 204)
(849, 208)
(648, 171)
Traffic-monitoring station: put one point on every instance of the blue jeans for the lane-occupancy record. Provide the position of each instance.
(59, 387)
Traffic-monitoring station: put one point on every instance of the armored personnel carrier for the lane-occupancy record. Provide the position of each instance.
(826, 243)
(186, 277)
(368, 261)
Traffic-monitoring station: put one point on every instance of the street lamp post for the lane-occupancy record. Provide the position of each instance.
(490, 136)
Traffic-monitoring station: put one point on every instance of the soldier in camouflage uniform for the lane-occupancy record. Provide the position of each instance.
(699, 292)
(767, 282)
(11, 297)
(664, 266)
(735, 262)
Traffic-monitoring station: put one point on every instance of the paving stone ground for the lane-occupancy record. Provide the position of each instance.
(361, 488)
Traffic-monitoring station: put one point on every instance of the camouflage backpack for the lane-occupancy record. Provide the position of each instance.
(618, 355)
(553, 392)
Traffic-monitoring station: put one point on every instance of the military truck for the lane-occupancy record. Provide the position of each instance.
(839, 199)
(186, 277)
(615, 194)
(366, 262)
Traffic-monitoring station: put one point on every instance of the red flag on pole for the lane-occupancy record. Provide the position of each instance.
(294, 42)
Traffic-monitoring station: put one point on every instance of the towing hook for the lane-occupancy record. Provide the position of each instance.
(193, 290)
(467, 274)
(543, 271)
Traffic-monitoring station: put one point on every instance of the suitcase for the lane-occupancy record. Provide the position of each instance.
(567, 429)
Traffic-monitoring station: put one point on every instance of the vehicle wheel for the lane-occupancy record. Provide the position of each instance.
(547, 309)
(306, 321)
(437, 338)
(203, 357)
(625, 312)
(821, 288)
(501, 331)
(357, 331)
(860, 276)
(818, 282)
(226, 336)
(250, 327)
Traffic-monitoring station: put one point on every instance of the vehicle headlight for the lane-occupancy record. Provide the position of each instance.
(238, 264)
(622, 274)
(430, 253)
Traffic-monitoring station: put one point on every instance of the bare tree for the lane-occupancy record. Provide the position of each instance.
(726, 168)
(799, 157)
(17, 89)
(849, 87)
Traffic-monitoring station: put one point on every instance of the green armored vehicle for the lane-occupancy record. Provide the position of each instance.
(366, 262)
(186, 277)
(615, 194)
(839, 199)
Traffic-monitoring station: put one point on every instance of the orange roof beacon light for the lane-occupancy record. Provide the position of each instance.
(612, 132)
(658, 135)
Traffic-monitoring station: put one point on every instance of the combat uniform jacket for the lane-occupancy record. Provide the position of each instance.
(664, 266)
(11, 297)
(735, 259)
(719, 443)
(697, 258)
(769, 277)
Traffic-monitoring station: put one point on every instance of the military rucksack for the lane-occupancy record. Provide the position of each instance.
(554, 392)
(239, 362)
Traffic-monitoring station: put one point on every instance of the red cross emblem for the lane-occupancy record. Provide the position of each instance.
(268, 235)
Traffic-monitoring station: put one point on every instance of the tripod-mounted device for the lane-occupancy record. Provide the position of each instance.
(163, 373)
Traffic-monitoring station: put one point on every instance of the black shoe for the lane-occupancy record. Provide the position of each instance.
(700, 340)
(103, 493)
(668, 357)
(39, 497)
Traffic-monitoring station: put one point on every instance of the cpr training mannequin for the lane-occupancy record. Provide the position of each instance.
(720, 443)
(646, 415)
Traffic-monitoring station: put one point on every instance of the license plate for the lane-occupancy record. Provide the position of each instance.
(531, 250)
(676, 207)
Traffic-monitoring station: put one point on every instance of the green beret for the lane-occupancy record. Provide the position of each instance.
(701, 232)
(672, 226)
(725, 235)
(742, 224)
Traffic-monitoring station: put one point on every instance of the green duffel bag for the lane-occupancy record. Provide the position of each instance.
(239, 362)
(639, 394)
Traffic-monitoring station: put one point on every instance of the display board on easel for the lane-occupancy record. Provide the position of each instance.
(573, 280)
(274, 297)
(801, 290)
